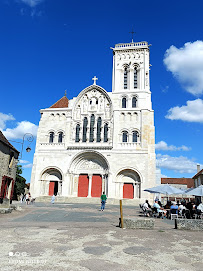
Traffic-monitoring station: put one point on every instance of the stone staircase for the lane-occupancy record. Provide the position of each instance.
(60, 199)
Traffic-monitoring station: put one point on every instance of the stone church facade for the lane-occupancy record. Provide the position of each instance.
(100, 141)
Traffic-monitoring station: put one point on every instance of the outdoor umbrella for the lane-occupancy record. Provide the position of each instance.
(198, 191)
(165, 189)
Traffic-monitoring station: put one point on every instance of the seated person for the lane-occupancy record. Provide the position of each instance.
(200, 207)
(147, 207)
(159, 208)
(174, 207)
(181, 207)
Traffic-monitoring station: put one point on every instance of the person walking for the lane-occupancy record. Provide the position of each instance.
(53, 199)
(103, 201)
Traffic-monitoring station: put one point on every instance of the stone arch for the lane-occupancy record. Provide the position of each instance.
(89, 162)
(51, 181)
(130, 181)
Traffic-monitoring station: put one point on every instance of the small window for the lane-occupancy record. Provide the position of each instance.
(60, 137)
(84, 133)
(125, 136)
(92, 119)
(106, 132)
(99, 129)
(51, 137)
(134, 102)
(135, 136)
(135, 78)
(125, 78)
(77, 133)
(124, 102)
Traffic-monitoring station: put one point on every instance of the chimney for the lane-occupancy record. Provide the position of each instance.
(198, 168)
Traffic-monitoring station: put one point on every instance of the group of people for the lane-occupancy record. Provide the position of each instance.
(27, 198)
(189, 209)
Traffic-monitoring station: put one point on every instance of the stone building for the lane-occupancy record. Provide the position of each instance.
(99, 140)
(198, 177)
(8, 162)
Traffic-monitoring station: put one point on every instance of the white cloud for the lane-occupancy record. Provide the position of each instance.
(31, 3)
(20, 130)
(4, 118)
(179, 164)
(192, 112)
(23, 162)
(163, 146)
(27, 166)
(186, 65)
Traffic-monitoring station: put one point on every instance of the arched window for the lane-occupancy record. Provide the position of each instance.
(125, 136)
(125, 78)
(135, 78)
(84, 132)
(77, 133)
(92, 119)
(60, 137)
(134, 102)
(99, 121)
(106, 132)
(124, 102)
(51, 137)
(135, 136)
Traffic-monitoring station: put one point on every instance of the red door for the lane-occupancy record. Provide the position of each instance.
(51, 188)
(96, 186)
(128, 191)
(83, 184)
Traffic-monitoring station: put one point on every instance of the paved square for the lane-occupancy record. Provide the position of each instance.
(80, 237)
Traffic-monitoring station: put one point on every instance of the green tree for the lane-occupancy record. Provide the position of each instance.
(19, 186)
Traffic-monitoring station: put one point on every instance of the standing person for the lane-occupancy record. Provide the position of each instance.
(103, 201)
(27, 198)
(53, 199)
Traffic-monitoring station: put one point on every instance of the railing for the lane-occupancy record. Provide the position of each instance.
(132, 44)
(129, 144)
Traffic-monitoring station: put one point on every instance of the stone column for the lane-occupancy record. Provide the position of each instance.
(90, 186)
(60, 188)
(135, 186)
(103, 184)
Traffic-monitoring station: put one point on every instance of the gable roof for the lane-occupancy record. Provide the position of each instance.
(62, 103)
(198, 173)
(4, 140)
(188, 181)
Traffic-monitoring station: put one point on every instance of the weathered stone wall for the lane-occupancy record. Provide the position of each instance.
(134, 223)
(4, 163)
(190, 224)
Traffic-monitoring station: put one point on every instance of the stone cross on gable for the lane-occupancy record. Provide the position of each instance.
(94, 79)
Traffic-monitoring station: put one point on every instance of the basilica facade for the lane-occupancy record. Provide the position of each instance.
(100, 141)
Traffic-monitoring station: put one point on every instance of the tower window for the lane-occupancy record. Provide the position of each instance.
(125, 78)
(134, 102)
(99, 129)
(92, 119)
(135, 136)
(124, 102)
(51, 137)
(106, 132)
(125, 136)
(135, 78)
(60, 137)
(84, 133)
(77, 133)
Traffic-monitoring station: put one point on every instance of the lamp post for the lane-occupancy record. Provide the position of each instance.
(29, 137)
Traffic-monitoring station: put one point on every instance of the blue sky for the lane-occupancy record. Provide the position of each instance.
(48, 46)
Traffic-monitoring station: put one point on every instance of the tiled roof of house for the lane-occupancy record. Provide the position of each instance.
(4, 140)
(198, 173)
(62, 103)
(188, 181)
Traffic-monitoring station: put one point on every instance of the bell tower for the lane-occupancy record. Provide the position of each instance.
(131, 67)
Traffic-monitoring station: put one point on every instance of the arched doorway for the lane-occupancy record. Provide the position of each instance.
(51, 182)
(89, 172)
(130, 183)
